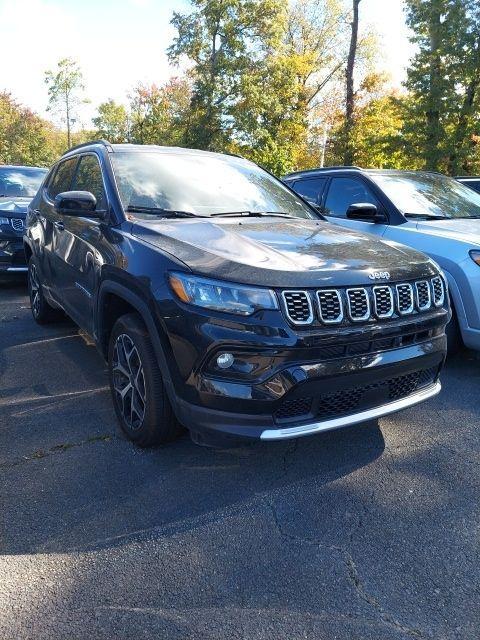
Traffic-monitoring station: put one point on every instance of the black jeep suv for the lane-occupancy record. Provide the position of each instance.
(18, 185)
(223, 302)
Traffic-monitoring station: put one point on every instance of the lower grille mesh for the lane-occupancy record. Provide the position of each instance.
(293, 408)
(347, 401)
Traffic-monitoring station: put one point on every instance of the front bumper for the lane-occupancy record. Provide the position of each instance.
(12, 255)
(324, 396)
(355, 418)
(305, 381)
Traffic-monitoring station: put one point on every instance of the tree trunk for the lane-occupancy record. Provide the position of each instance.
(433, 129)
(350, 94)
(69, 135)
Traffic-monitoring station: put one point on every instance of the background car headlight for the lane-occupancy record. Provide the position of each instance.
(475, 256)
(221, 296)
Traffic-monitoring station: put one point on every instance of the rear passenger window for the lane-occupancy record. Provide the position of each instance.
(310, 189)
(62, 180)
(89, 178)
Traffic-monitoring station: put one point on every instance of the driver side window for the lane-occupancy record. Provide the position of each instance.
(62, 178)
(344, 192)
(89, 178)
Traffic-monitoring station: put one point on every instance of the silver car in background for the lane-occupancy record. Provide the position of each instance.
(427, 211)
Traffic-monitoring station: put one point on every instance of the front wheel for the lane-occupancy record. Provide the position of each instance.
(139, 397)
(42, 312)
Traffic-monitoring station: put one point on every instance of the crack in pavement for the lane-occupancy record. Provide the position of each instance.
(289, 452)
(353, 577)
(58, 448)
(191, 613)
(66, 395)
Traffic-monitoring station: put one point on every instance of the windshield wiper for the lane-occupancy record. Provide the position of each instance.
(252, 214)
(165, 213)
(426, 216)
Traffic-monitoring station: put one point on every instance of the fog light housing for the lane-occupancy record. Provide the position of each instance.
(225, 360)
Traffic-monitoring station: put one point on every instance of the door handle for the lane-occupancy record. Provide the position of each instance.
(59, 225)
(39, 215)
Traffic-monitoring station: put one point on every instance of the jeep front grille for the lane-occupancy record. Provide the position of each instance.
(298, 306)
(383, 302)
(423, 296)
(358, 304)
(404, 298)
(438, 291)
(330, 306)
(17, 224)
(362, 304)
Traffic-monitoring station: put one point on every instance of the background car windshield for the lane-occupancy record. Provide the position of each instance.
(20, 182)
(201, 184)
(430, 195)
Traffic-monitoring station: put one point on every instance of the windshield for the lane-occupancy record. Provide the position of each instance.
(429, 194)
(20, 182)
(201, 184)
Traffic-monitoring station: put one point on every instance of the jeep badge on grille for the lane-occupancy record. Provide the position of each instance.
(379, 275)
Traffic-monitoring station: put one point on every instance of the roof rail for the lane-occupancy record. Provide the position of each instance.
(317, 169)
(320, 169)
(88, 144)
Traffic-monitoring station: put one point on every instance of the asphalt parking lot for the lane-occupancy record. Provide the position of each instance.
(370, 532)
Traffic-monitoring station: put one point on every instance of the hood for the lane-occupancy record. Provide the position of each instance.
(281, 253)
(462, 229)
(14, 206)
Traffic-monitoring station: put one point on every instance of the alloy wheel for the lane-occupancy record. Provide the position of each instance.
(34, 290)
(129, 381)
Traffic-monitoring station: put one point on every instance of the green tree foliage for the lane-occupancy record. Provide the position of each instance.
(225, 40)
(376, 134)
(25, 138)
(444, 81)
(282, 98)
(378, 119)
(112, 122)
(465, 129)
(65, 92)
(160, 115)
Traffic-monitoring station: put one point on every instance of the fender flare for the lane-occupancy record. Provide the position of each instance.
(142, 307)
(28, 243)
(456, 299)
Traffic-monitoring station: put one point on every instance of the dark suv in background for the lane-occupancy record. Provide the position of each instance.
(470, 181)
(18, 185)
(223, 302)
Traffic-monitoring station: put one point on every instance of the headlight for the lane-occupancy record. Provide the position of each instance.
(475, 256)
(221, 296)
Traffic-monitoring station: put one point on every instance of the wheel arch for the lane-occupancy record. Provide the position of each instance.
(114, 300)
(27, 248)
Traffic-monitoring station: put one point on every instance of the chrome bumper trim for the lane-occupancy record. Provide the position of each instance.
(345, 421)
(17, 269)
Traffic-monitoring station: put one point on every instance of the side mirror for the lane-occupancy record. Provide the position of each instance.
(76, 203)
(366, 212)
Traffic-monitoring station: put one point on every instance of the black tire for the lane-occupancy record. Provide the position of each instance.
(139, 397)
(454, 338)
(42, 312)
